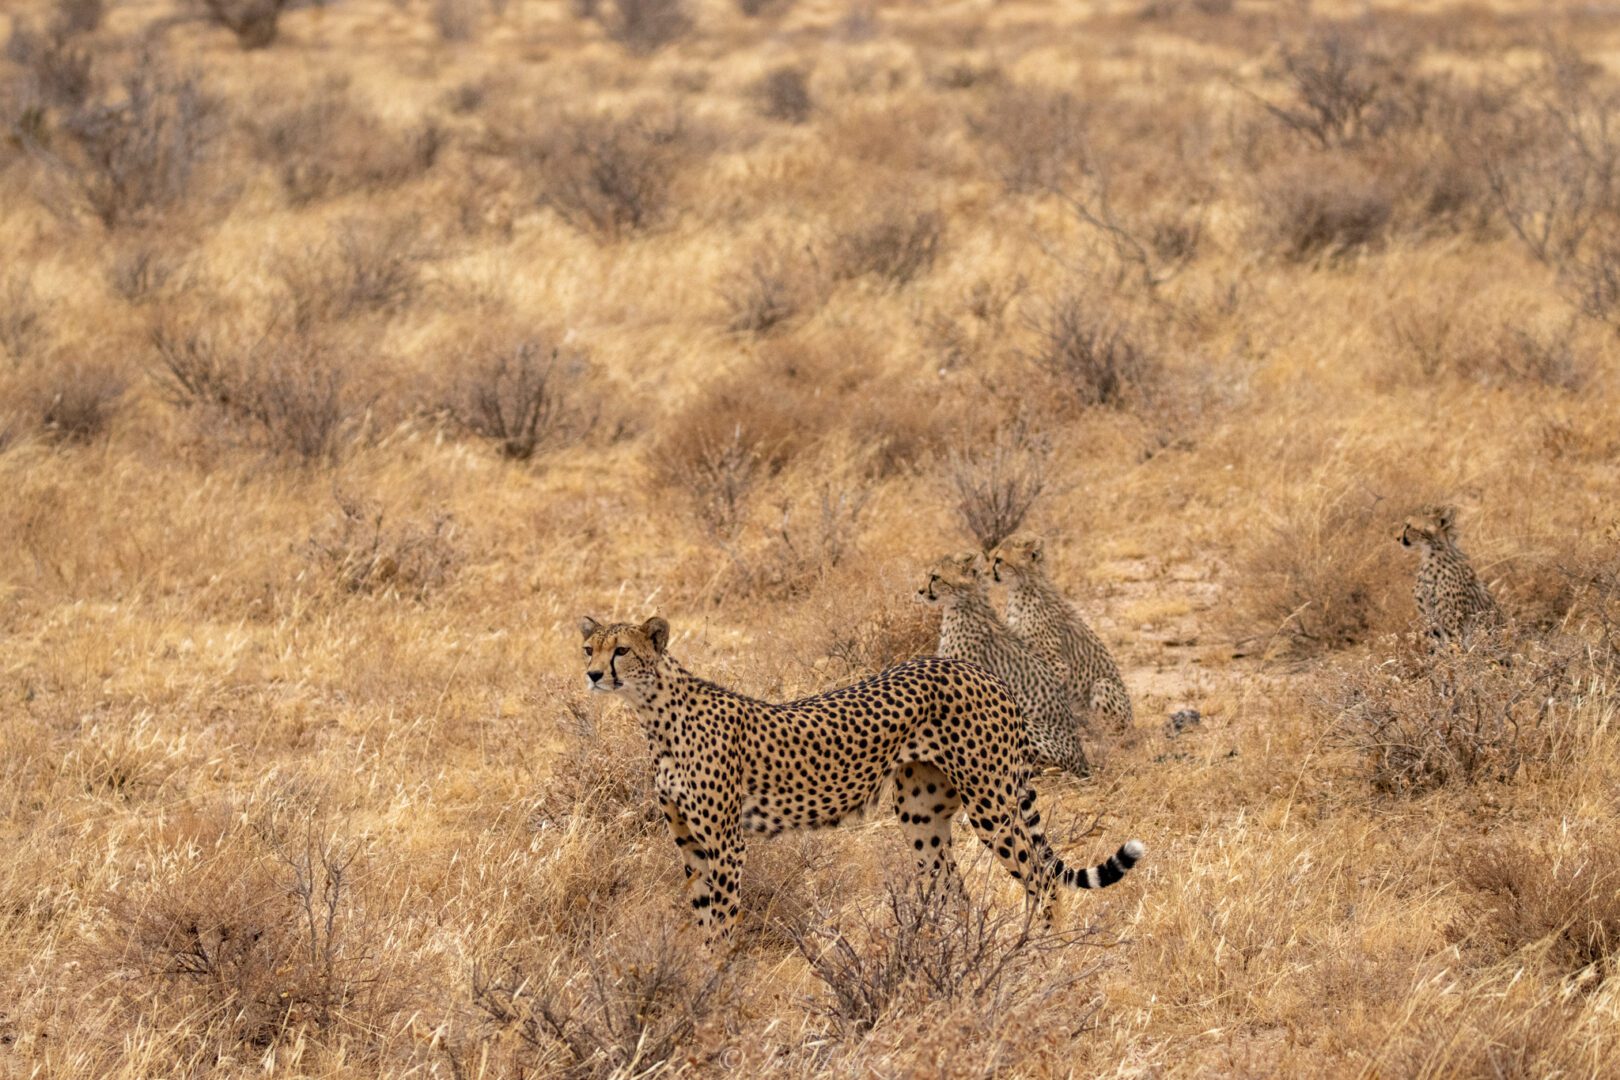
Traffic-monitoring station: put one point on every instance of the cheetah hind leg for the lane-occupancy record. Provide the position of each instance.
(1001, 828)
(1111, 704)
(926, 803)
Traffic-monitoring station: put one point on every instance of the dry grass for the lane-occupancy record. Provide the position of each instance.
(339, 376)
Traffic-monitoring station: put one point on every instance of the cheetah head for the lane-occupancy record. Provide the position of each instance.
(623, 654)
(1016, 555)
(1433, 526)
(951, 575)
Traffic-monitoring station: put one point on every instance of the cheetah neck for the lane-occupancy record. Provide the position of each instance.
(964, 610)
(1031, 592)
(669, 700)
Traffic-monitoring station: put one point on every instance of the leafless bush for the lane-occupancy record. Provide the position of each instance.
(254, 22)
(755, 9)
(519, 395)
(807, 542)
(141, 273)
(73, 17)
(890, 630)
(720, 474)
(996, 487)
(1343, 90)
(1153, 251)
(58, 72)
(1093, 356)
(455, 20)
(1325, 208)
(625, 1006)
(138, 154)
(1476, 713)
(72, 400)
(933, 945)
(776, 285)
(21, 328)
(328, 145)
(1033, 138)
(610, 175)
(371, 266)
(287, 388)
(603, 777)
(363, 553)
(645, 26)
(267, 940)
(1505, 351)
(1552, 161)
(1564, 904)
(896, 243)
(784, 94)
(1320, 577)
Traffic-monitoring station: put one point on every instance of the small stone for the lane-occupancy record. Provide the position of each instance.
(1180, 721)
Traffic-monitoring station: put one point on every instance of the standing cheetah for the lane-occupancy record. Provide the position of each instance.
(1449, 594)
(945, 729)
(1039, 614)
(970, 629)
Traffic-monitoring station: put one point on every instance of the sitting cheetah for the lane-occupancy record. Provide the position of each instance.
(1449, 594)
(970, 629)
(1039, 614)
(945, 729)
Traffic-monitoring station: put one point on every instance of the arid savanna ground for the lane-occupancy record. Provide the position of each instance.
(347, 359)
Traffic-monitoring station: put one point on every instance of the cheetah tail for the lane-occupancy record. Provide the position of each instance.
(1106, 873)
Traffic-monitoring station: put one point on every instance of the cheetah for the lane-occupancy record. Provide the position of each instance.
(1450, 596)
(970, 629)
(724, 763)
(1039, 614)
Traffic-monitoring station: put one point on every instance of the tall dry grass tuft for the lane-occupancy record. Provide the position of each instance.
(1560, 904)
(1482, 712)
(997, 486)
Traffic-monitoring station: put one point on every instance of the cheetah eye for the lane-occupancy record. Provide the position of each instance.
(620, 651)
(587, 650)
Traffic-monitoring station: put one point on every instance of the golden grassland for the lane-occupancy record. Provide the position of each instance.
(296, 770)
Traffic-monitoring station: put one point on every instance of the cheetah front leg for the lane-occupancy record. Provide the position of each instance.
(713, 888)
(1111, 703)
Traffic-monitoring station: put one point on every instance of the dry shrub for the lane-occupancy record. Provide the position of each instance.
(142, 273)
(1552, 158)
(1322, 575)
(777, 284)
(1563, 903)
(361, 552)
(328, 145)
(1468, 714)
(997, 486)
(73, 17)
(369, 267)
(645, 26)
(264, 935)
(140, 153)
(609, 175)
(1093, 356)
(894, 243)
(22, 329)
(932, 945)
(754, 9)
(288, 391)
(1322, 208)
(1033, 138)
(524, 394)
(1482, 344)
(1346, 89)
(68, 398)
(784, 94)
(603, 776)
(812, 536)
(254, 22)
(455, 20)
(56, 71)
(630, 1003)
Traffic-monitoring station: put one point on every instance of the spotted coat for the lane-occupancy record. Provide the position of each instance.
(725, 764)
(970, 629)
(1451, 598)
(1042, 616)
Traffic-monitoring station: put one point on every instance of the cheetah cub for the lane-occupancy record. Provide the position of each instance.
(1449, 594)
(970, 629)
(1038, 613)
(945, 730)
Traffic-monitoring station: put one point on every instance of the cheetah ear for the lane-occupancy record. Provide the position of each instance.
(1446, 515)
(657, 631)
(1035, 546)
(588, 626)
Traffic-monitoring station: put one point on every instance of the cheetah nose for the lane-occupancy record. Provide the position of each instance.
(594, 676)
